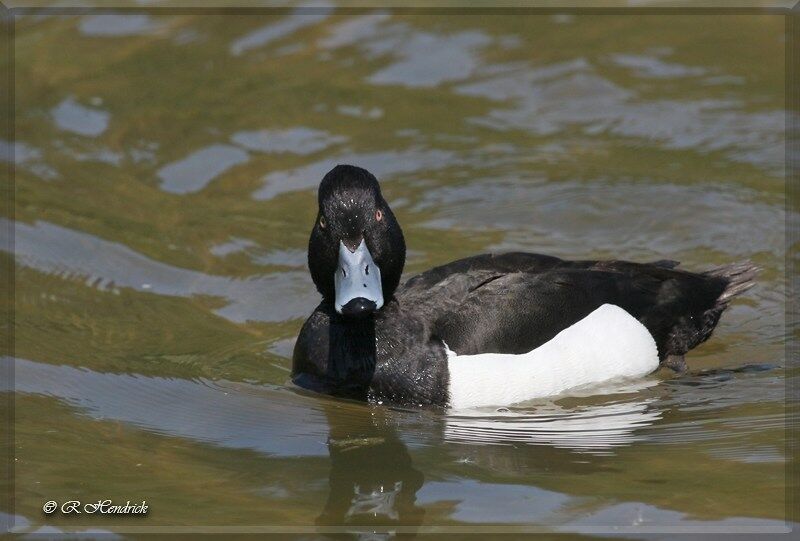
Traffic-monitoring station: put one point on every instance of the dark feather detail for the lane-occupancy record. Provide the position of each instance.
(693, 329)
(666, 263)
(739, 276)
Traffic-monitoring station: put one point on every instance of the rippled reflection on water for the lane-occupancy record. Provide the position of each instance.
(166, 169)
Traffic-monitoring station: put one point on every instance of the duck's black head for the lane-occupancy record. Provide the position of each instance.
(356, 252)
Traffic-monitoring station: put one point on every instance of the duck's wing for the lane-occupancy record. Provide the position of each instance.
(441, 289)
(449, 297)
(513, 303)
(472, 269)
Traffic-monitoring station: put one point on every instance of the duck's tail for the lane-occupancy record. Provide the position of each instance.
(692, 329)
(738, 277)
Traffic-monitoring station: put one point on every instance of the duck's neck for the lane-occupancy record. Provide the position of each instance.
(352, 352)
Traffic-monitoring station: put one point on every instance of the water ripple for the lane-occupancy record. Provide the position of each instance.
(277, 296)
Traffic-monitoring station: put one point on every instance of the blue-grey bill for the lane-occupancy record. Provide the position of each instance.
(357, 276)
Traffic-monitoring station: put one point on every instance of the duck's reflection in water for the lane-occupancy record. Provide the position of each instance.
(373, 481)
(581, 425)
(595, 429)
(372, 478)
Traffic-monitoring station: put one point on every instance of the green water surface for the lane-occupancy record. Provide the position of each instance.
(165, 172)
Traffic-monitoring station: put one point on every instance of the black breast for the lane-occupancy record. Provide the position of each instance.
(392, 357)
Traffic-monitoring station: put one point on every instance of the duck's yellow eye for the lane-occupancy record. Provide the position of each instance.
(322, 222)
(379, 215)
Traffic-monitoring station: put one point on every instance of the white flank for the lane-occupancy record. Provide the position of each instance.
(607, 344)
